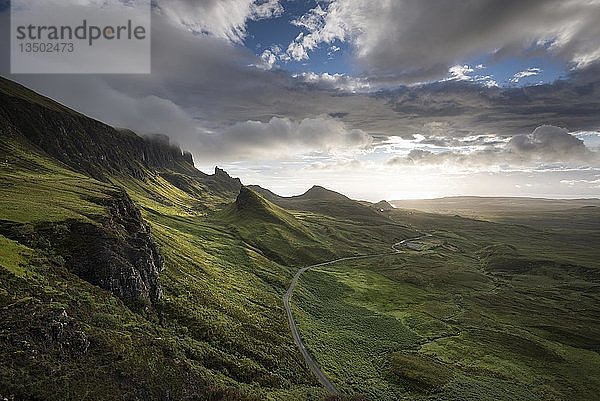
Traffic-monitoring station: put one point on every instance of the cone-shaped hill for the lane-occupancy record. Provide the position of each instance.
(320, 193)
(324, 201)
(382, 205)
(250, 207)
(272, 229)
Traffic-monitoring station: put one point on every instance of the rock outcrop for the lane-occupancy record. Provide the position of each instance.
(116, 253)
(63, 332)
(382, 206)
(223, 182)
(119, 255)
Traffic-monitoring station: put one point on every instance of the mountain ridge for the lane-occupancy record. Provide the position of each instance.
(83, 143)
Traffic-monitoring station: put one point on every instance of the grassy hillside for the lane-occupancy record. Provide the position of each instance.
(213, 285)
(323, 201)
(138, 277)
(300, 237)
(219, 330)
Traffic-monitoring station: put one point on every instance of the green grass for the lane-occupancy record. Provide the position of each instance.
(297, 238)
(35, 189)
(220, 330)
(13, 256)
(461, 320)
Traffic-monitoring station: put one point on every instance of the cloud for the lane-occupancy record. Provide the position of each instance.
(282, 137)
(201, 83)
(460, 73)
(545, 145)
(463, 73)
(420, 40)
(225, 19)
(591, 184)
(322, 26)
(548, 143)
(271, 56)
(530, 72)
(332, 50)
(208, 94)
(266, 9)
(335, 81)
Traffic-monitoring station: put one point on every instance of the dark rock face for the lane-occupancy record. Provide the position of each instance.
(119, 256)
(117, 253)
(84, 144)
(248, 199)
(222, 181)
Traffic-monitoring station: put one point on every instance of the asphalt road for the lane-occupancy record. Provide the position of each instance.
(286, 302)
(312, 364)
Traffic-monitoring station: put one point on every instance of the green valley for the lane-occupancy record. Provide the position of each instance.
(127, 274)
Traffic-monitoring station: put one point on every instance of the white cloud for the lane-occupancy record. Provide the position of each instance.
(332, 50)
(421, 40)
(463, 73)
(282, 137)
(530, 72)
(336, 81)
(225, 19)
(322, 26)
(266, 9)
(591, 184)
(548, 143)
(296, 49)
(269, 57)
(460, 73)
(547, 146)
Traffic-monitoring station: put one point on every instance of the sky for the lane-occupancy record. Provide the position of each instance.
(390, 99)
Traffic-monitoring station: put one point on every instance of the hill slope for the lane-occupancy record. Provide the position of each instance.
(273, 230)
(326, 202)
(113, 281)
(83, 144)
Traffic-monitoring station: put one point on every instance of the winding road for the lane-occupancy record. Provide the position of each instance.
(286, 303)
(312, 364)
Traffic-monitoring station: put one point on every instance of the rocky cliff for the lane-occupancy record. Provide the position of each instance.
(86, 145)
(116, 252)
